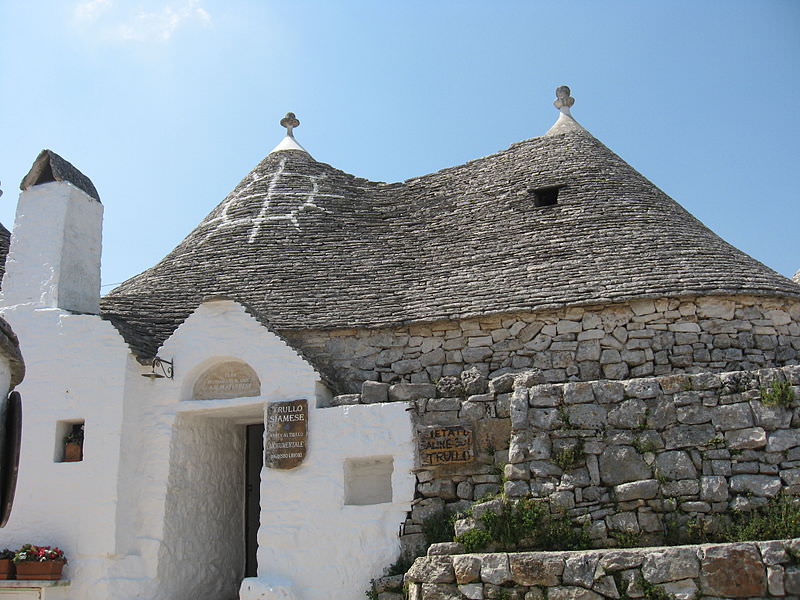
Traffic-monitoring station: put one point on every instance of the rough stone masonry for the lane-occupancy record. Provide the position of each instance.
(618, 341)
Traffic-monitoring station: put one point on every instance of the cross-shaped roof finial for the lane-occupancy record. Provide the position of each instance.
(563, 100)
(290, 122)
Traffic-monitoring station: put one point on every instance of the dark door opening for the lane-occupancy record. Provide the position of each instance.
(254, 460)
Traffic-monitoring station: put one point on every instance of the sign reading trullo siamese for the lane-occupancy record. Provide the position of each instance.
(444, 445)
(287, 431)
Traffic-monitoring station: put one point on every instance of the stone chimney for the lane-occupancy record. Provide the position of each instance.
(54, 259)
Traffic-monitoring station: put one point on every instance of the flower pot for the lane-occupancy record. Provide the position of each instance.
(72, 452)
(47, 570)
(6, 569)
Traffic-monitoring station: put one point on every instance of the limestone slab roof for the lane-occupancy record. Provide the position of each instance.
(5, 244)
(9, 349)
(307, 246)
(49, 166)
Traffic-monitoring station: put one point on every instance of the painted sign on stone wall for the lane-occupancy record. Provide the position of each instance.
(444, 445)
(287, 432)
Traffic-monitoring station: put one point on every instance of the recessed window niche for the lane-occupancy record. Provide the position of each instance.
(368, 480)
(69, 441)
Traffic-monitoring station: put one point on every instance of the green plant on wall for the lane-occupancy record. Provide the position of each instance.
(563, 416)
(627, 539)
(643, 446)
(438, 528)
(525, 523)
(474, 540)
(779, 393)
(654, 592)
(371, 594)
(570, 457)
(779, 519)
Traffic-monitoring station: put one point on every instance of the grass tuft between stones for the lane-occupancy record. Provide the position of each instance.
(525, 524)
(779, 519)
(779, 393)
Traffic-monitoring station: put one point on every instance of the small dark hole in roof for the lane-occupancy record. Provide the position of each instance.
(545, 196)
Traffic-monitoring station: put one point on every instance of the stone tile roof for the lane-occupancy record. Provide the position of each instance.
(307, 246)
(9, 348)
(5, 244)
(49, 166)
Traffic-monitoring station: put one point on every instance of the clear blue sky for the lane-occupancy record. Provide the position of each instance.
(167, 104)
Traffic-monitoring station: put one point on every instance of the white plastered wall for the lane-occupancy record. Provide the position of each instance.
(132, 517)
(75, 371)
(308, 537)
(311, 545)
(182, 476)
(54, 259)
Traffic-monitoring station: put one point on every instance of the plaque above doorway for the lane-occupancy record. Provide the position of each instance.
(230, 379)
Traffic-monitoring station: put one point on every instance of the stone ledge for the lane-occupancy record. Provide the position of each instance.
(765, 569)
(33, 583)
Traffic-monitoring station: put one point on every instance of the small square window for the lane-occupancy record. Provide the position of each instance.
(547, 196)
(368, 480)
(69, 441)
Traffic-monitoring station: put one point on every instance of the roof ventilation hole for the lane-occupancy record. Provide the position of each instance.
(547, 196)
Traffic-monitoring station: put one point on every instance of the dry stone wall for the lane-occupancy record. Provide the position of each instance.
(633, 459)
(636, 457)
(713, 571)
(469, 403)
(616, 341)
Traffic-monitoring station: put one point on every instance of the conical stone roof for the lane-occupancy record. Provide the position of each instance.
(306, 246)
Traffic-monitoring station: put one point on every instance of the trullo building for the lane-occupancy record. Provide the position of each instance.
(553, 257)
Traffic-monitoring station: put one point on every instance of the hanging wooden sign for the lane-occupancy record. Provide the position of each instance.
(287, 433)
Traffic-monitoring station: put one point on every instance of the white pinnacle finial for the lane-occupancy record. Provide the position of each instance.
(290, 121)
(565, 122)
(563, 100)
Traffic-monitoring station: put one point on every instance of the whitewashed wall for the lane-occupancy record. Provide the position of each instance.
(54, 259)
(305, 527)
(311, 545)
(76, 366)
(155, 508)
(182, 473)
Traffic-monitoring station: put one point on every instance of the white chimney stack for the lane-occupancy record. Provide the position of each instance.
(54, 259)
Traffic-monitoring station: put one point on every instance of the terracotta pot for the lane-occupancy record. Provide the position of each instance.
(6, 569)
(72, 452)
(47, 570)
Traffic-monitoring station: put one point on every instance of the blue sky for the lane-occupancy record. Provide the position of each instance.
(167, 104)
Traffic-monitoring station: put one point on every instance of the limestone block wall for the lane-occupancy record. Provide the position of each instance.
(614, 341)
(470, 401)
(636, 456)
(629, 458)
(743, 570)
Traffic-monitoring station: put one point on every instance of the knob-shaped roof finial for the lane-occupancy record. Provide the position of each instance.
(290, 121)
(563, 100)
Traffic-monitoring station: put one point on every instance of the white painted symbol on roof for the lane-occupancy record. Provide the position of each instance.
(298, 202)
